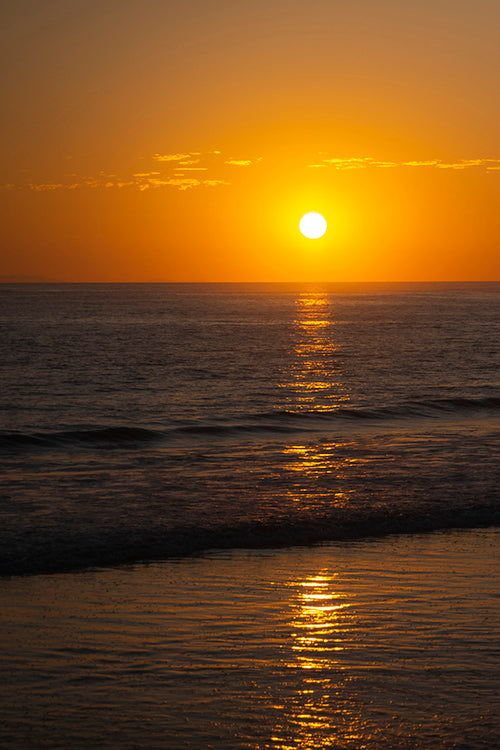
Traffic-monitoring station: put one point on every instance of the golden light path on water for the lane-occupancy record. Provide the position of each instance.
(319, 622)
(314, 381)
(321, 616)
(315, 384)
(322, 619)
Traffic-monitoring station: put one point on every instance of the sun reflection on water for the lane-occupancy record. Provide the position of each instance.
(317, 710)
(321, 473)
(319, 620)
(318, 713)
(314, 382)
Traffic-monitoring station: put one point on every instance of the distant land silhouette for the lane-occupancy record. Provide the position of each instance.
(20, 279)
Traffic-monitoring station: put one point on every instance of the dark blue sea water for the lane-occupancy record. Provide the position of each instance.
(146, 421)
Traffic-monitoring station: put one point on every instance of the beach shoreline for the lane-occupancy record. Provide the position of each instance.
(374, 643)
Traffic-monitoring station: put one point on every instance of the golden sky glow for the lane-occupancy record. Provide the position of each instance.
(178, 141)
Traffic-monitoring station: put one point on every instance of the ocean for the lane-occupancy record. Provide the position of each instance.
(264, 433)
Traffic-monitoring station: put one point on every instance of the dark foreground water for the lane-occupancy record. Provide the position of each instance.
(144, 421)
(365, 645)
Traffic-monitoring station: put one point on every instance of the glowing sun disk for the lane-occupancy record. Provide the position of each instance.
(313, 225)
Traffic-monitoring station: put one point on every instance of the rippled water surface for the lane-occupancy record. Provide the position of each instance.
(145, 421)
(172, 455)
(377, 644)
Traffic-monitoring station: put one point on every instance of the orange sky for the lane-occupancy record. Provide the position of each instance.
(179, 141)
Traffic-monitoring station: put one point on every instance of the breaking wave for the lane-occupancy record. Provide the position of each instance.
(270, 422)
(77, 550)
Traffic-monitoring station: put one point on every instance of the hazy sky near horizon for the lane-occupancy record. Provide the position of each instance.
(178, 141)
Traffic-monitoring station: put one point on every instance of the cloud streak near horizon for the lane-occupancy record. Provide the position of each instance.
(366, 162)
(185, 171)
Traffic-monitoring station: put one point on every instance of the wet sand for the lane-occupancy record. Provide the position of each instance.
(389, 643)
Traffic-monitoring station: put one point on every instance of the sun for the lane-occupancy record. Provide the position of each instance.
(313, 225)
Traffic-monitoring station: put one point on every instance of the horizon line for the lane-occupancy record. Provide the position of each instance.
(10, 280)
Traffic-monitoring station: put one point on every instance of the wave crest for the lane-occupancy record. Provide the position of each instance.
(269, 422)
